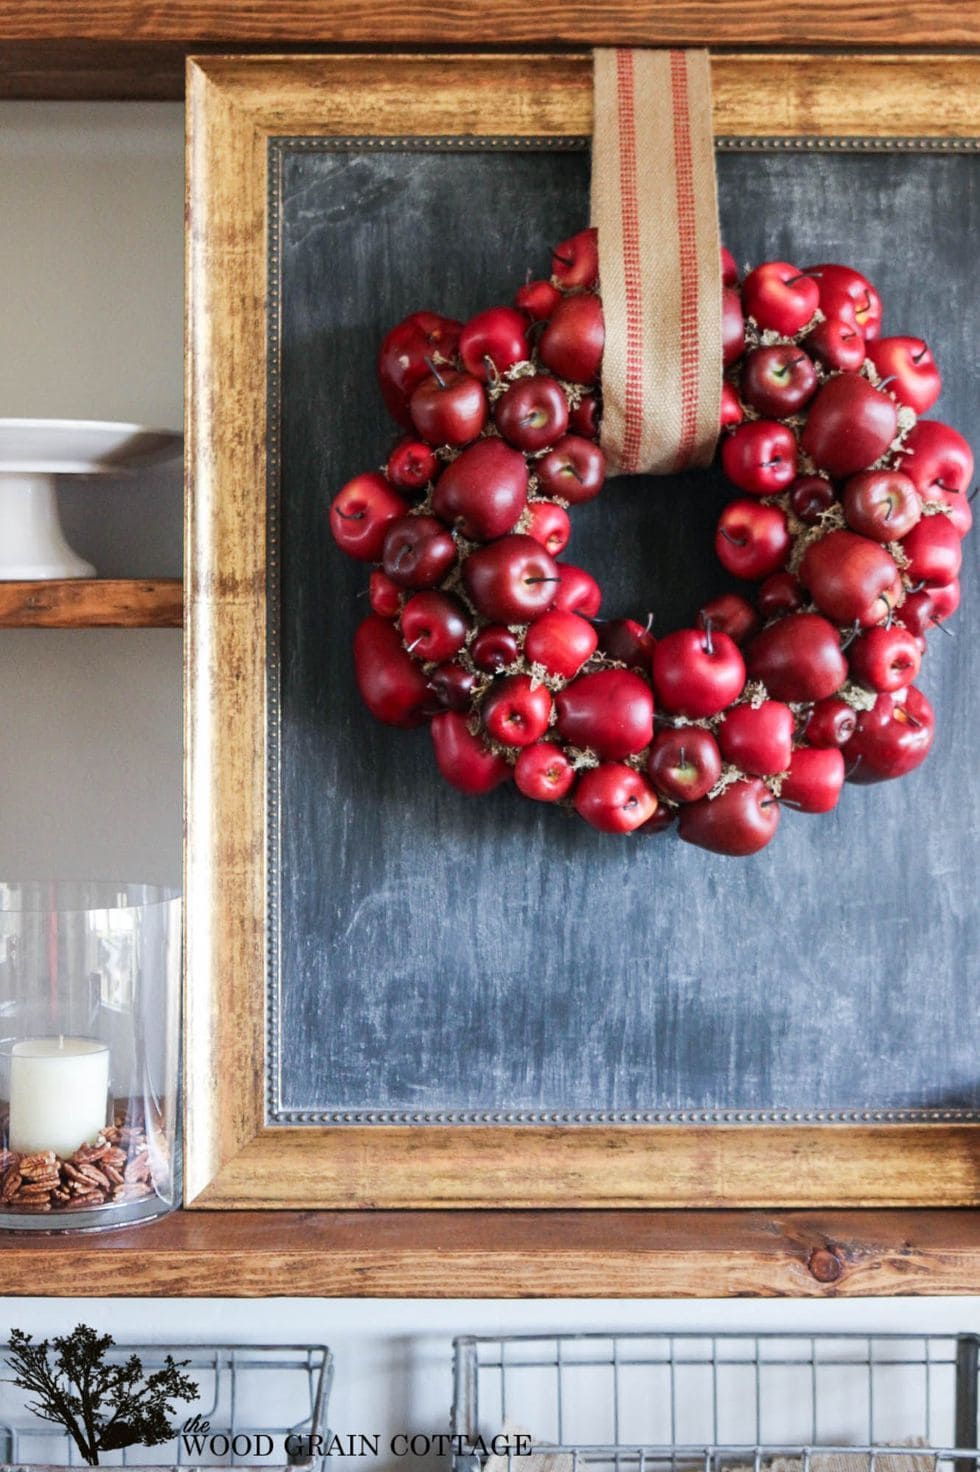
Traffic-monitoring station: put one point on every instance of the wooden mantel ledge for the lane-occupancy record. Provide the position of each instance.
(507, 1254)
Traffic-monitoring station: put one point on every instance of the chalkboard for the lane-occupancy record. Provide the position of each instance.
(489, 959)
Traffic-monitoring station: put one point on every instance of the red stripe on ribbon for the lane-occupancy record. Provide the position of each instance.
(633, 408)
(687, 233)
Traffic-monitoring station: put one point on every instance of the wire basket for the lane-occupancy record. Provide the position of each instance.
(264, 1405)
(704, 1403)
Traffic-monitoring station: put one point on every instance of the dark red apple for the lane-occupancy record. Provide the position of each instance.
(729, 267)
(434, 626)
(575, 261)
(740, 821)
(449, 408)
(629, 641)
(516, 710)
(402, 358)
(411, 465)
(891, 739)
(780, 594)
(851, 578)
(465, 760)
(850, 425)
(574, 470)
(578, 591)
(780, 297)
(584, 418)
(732, 412)
(697, 672)
(939, 462)
(760, 457)
(483, 491)
(934, 551)
(684, 764)
(778, 381)
(732, 327)
(571, 344)
(831, 722)
(614, 798)
(560, 642)
(610, 712)
(881, 504)
(544, 772)
(911, 366)
(758, 738)
(533, 413)
(885, 659)
(537, 300)
(493, 341)
(384, 595)
(391, 684)
(361, 514)
(945, 600)
(814, 780)
(798, 658)
(549, 525)
(732, 615)
(512, 580)
(809, 497)
(418, 552)
(453, 686)
(494, 648)
(752, 539)
(837, 344)
(847, 295)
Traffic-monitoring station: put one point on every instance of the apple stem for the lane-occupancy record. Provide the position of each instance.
(973, 495)
(709, 647)
(349, 515)
(917, 357)
(490, 369)
(884, 382)
(563, 260)
(542, 580)
(849, 771)
(430, 364)
(911, 718)
(414, 643)
(852, 635)
(729, 538)
(649, 623)
(938, 623)
(917, 587)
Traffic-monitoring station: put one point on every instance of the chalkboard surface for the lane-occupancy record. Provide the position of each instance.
(473, 958)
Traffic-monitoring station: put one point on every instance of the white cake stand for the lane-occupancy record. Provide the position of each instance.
(33, 453)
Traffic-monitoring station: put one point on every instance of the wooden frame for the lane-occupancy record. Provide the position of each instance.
(231, 1158)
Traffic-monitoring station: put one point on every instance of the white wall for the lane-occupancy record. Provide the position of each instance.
(90, 250)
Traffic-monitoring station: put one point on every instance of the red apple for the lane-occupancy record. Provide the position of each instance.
(732, 615)
(885, 659)
(831, 722)
(934, 551)
(578, 591)
(758, 739)
(629, 641)
(731, 409)
(780, 297)
(544, 772)
(850, 425)
(411, 465)
(684, 764)
(391, 684)
(453, 686)
(939, 462)
(740, 821)
(434, 626)
(908, 361)
(465, 760)
(779, 594)
(574, 470)
(851, 578)
(575, 261)
(798, 658)
(610, 712)
(384, 595)
(881, 504)
(614, 798)
(493, 341)
(560, 642)
(760, 457)
(778, 381)
(891, 739)
(732, 327)
(512, 580)
(516, 711)
(449, 408)
(752, 539)
(537, 300)
(945, 600)
(483, 491)
(402, 358)
(729, 268)
(533, 413)
(809, 497)
(571, 344)
(418, 552)
(494, 648)
(847, 295)
(584, 418)
(549, 525)
(697, 672)
(837, 344)
(814, 780)
(361, 514)
(917, 612)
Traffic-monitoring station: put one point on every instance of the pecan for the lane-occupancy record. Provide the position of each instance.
(138, 1169)
(113, 1176)
(11, 1184)
(111, 1133)
(91, 1173)
(134, 1191)
(41, 1164)
(31, 1193)
(7, 1158)
(114, 1157)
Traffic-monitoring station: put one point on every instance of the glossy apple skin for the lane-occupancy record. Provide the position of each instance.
(758, 739)
(752, 539)
(908, 361)
(881, 504)
(550, 525)
(575, 261)
(809, 497)
(778, 380)
(733, 615)
(614, 798)
(732, 327)
(885, 659)
(391, 684)
(516, 712)
(729, 268)
(831, 722)
(780, 594)
(584, 418)
(798, 658)
(494, 648)
(571, 344)
(402, 355)
(731, 409)
(418, 552)
(537, 300)
(738, 822)
(544, 772)
(849, 426)
(851, 579)
(945, 600)
(780, 297)
(512, 580)
(453, 686)
(384, 595)
(760, 457)
(934, 550)
(450, 409)
(891, 739)
(436, 624)
(625, 639)
(574, 470)
(610, 712)
(837, 344)
(483, 491)
(685, 764)
(696, 673)
(411, 465)
(361, 513)
(533, 413)
(560, 642)
(578, 591)
(500, 334)
(464, 760)
(939, 462)
(847, 295)
(815, 779)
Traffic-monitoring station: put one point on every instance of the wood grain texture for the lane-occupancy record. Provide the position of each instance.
(582, 1254)
(234, 106)
(83, 603)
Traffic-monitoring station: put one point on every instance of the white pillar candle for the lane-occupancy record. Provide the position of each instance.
(58, 1089)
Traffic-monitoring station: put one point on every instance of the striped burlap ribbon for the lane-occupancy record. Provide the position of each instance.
(654, 201)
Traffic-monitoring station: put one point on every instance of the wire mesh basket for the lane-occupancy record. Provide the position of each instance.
(262, 1406)
(707, 1403)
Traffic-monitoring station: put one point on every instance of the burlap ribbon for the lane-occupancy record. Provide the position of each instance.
(654, 201)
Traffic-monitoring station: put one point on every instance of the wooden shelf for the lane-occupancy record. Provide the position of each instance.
(93, 603)
(126, 49)
(497, 1254)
